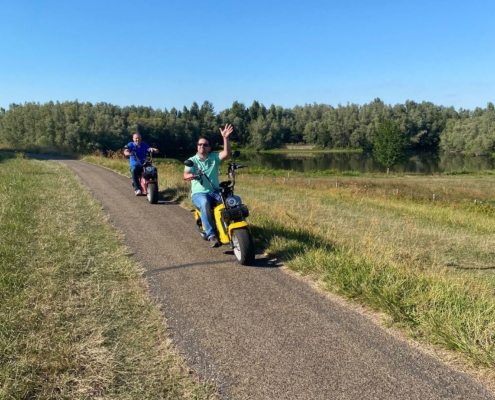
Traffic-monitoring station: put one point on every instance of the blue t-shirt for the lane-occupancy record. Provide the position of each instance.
(140, 152)
(210, 167)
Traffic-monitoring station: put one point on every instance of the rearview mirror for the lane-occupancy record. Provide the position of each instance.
(236, 154)
(188, 163)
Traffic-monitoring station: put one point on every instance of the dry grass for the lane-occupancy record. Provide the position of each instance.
(414, 232)
(77, 322)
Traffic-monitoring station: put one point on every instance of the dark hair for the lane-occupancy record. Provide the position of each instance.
(205, 138)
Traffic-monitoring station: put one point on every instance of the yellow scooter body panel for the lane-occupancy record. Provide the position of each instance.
(196, 214)
(224, 234)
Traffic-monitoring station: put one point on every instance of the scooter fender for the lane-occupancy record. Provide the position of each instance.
(145, 183)
(237, 225)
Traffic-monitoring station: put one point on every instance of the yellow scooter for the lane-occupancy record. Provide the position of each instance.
(229, 215)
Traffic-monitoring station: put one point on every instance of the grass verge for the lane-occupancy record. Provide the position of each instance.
(77, 321)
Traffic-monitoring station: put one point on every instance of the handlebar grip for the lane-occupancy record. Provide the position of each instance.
(195, 177)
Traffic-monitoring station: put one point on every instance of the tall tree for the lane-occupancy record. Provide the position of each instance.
(390, 144)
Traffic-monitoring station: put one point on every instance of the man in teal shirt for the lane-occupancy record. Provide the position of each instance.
(203, 195)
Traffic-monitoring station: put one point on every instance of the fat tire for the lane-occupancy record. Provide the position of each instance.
(243, 246)
(152, 193)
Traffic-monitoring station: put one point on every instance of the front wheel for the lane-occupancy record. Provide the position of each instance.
(243, 246)
(152, 193)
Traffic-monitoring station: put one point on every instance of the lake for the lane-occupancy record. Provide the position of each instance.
(424, 163)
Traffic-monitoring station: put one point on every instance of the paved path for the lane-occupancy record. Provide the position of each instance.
(259, 332)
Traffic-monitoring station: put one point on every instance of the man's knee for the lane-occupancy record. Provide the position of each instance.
(200, 201)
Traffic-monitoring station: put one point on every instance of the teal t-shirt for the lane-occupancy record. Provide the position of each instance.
(210, 167)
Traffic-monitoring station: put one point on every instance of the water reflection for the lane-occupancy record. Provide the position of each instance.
(424, 163)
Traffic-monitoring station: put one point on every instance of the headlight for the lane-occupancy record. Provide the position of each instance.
(150, 169)
(232, 201)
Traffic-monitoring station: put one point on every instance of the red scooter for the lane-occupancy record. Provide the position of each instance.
(148, 177)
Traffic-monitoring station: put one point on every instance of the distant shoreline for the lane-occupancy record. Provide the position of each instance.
(303, 149)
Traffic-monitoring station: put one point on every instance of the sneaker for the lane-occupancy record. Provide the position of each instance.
(213, 241)
(137, 192)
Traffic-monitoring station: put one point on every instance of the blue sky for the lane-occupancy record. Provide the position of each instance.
(170, 53)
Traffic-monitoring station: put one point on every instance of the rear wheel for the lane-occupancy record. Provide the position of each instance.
(152, 193)
(243, 246)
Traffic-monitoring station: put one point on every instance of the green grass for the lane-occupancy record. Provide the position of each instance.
(77, 320)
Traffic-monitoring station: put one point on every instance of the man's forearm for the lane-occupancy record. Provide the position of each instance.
(226, 149)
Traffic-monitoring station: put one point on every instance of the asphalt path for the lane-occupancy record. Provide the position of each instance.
(259, 332)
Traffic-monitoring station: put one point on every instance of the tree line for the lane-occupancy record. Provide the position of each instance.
(83, 127)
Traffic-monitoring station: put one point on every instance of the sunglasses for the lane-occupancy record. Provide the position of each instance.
(204, 144)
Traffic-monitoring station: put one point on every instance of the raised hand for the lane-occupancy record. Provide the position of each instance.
(225, 132)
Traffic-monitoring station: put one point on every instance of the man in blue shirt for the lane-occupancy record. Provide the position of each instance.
(135, 162)
(202, 193)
